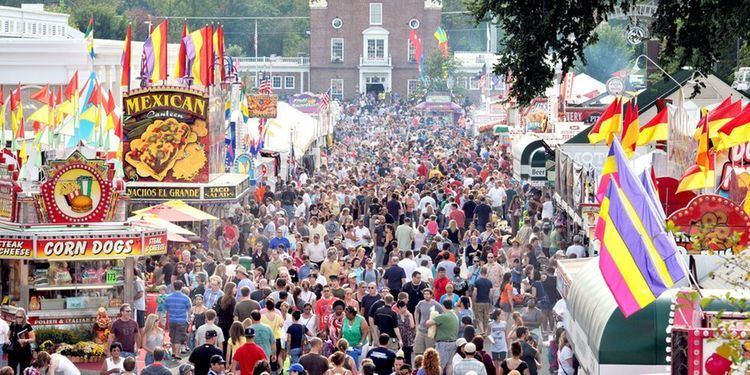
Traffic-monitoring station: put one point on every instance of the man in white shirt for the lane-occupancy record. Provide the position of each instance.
(408, 263)
(316, 227)
(316, 250)
(548, 209)
(497, 198)
(426, 199)
(405, 235)
(139, 301)
(362, 233)
(576, 248)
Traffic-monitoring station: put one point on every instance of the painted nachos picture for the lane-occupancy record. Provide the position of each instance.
(169, 146)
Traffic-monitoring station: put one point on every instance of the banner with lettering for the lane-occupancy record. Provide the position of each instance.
(86, 248)
(166, 135)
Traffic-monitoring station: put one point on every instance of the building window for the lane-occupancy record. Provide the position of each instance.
(337, 88)
(376, 13)
(463, 82)
(337, 50)
(375, 49)
(33, 28)
(410, 49)
(44, 29)
(473, 83)
(411, 86)
(288, 82)
(337, 23)
(6, 26)
(276, 82)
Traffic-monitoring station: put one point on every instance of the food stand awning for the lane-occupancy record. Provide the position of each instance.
(93, 241)
(605, 341)
(176, 210)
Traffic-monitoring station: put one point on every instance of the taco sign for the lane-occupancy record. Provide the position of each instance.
(166, 135)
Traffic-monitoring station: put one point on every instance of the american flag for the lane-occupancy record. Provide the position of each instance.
(325, 100)
(265, 86)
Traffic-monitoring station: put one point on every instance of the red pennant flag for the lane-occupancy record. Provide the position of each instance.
(42, 95)
(96, 95)
(72, 88)
(125, 60)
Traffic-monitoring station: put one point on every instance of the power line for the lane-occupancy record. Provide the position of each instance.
(231, 17)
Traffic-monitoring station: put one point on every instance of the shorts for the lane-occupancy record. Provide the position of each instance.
(499, 356)
(505, 307)
(178, 333)
(446, 350)
(140, 318)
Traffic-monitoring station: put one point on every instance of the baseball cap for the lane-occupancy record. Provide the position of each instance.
(400, 354)
(186, 368)
(249, 332)
(461, 341)
(296, 367)
(470, 348)
(211, 333)
(217, 359)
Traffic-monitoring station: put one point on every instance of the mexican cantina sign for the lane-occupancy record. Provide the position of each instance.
(76, 190)
(166, 135)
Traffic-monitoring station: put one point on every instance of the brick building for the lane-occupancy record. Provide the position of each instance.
(361, 46)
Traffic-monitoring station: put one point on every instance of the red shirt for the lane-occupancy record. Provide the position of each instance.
(459, 216)
(323, 309)
(440, 285)
(248, 355)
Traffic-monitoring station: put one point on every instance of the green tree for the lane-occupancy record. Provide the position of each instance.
(234, 50)
(538, 35)
(438, 78)
(107, 21)
(611, 53)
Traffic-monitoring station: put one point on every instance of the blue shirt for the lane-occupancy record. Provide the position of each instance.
(303, 272)
(177, 305)
(276, 241)
(210, 297)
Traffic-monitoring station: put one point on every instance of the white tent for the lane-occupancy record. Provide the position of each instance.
(290, 127)
(584, 88)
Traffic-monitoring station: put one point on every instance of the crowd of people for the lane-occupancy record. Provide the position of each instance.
(408, 250)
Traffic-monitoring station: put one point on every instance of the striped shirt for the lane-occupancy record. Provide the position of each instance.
(469, 364)
(210, 297)
(177, 305)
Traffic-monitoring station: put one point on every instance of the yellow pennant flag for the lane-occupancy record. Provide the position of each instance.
(91, 114)
(41, 115)
(67, 107)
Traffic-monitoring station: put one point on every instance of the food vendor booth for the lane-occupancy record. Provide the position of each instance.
(604, 341)
(174, 148)
(440, 105)
(65, 249)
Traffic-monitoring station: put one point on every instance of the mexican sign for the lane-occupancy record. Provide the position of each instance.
(166, 135)
(76, 190)
(262, 106)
